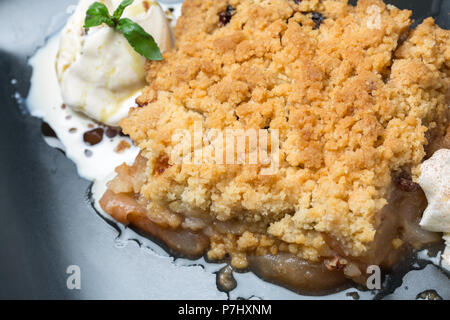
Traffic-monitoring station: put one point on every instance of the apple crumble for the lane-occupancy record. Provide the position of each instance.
(359, 100)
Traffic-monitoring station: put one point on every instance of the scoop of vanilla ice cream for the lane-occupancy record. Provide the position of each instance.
(100, 74)
(435, 182)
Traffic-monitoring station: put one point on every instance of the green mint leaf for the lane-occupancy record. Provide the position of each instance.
(119, 11)
(96, 15)
(141, 41)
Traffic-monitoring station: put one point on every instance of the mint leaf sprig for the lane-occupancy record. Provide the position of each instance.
(142, 42)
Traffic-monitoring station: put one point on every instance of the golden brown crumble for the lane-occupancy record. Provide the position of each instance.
(352, 102)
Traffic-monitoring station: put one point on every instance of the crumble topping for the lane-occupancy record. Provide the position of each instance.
(352, 92)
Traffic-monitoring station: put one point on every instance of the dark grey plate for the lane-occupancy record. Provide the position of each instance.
(47, 224)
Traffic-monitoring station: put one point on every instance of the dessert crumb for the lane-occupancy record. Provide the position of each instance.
(122, 146)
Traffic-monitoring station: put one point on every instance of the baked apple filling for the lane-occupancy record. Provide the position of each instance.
(357, 108)
(398, 230)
